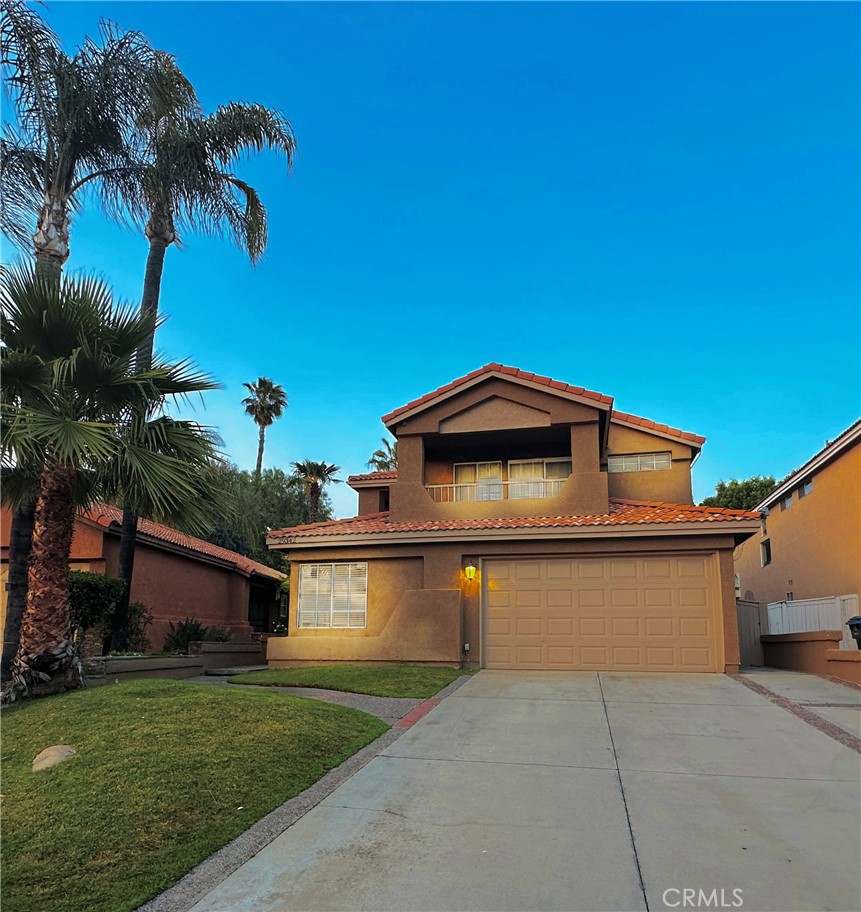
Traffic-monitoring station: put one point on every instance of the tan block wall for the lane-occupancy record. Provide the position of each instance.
(814, 652)
(815, 544)
(671, 486)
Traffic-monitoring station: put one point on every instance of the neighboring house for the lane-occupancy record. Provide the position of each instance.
(809, 542)
(175, 575)
(529, 526)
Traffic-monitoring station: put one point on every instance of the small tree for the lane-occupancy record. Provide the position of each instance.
(92, 597)
(741, 495)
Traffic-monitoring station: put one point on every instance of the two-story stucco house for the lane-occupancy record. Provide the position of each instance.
(530, 525)
(809, 543)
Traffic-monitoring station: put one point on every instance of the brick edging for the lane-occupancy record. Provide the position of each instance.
(811, 718)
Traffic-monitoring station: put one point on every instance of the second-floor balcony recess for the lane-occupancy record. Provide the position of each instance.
(517, 479)
(498, 490)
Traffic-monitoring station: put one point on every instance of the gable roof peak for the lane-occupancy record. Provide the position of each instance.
(494, 368)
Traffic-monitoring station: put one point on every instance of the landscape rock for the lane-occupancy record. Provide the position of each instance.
(53, 755)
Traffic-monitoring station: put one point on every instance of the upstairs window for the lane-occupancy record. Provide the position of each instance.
(805, 489)
(765, 552)
(536, 477)
(640, 462)
(786, 503)
(333, 595)
(478, 481)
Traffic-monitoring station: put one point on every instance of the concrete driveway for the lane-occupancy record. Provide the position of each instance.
(578, 791)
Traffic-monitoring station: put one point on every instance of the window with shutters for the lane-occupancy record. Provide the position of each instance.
(333, 595)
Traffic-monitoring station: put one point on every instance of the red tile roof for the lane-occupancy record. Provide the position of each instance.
(648, 424)
(106, 515)
(495, 368)
(622, 513)
(374, 476)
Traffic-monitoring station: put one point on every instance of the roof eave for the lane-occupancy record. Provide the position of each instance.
(675, 438)
(740, 529)
(812, 465)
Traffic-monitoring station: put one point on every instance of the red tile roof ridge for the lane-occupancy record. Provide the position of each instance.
(374, 476)
(106, 514)
(622, 512)
(495, 368)
(627, 418)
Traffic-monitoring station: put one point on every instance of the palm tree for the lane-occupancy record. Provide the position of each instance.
(74, 119)
(70, 390)
(182, 179)
(313, 477)
(74, 115)
(384, 459)
(266, 403)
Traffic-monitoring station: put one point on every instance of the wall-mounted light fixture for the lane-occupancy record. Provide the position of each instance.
(469, 571)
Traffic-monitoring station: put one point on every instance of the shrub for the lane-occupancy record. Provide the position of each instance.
(139, 620)
(190, 631)
(182, 635)
(92, 597)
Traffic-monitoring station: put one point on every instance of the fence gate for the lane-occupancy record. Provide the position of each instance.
(749, 630)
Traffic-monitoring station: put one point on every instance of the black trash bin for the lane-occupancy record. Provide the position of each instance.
(854, 625)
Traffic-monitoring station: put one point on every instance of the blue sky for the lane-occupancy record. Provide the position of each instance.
(657, 201)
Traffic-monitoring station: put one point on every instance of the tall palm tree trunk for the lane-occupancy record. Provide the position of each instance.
(261, 443)
(161, 234)
(313, 501)
(118, 638)
(51, 250)
(160, 238)
(20, 541)
(51, 240)
(46, 659)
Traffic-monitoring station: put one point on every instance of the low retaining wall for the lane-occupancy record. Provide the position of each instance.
(128, 668)
(814, 651)
(230, 655)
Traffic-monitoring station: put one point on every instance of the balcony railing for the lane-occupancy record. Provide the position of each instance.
(494, 490)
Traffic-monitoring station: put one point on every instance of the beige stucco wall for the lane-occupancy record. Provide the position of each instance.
(409, 618)
(510, 403)
(815, 544)
(668, 485)
(422, 609)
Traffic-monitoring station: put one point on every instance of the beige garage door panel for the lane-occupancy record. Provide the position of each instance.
(647, 614)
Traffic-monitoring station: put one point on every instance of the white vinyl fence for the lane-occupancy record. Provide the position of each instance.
(830, 613)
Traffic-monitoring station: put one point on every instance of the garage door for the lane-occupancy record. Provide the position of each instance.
(626, 614)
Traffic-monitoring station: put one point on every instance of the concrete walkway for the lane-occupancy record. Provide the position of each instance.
(839, 704)
(389, 709)
(576, 791)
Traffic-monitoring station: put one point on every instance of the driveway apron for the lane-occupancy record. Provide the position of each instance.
(577, 791)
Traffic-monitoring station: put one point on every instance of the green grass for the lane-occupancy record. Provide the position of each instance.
(416, 681)
(166, 773)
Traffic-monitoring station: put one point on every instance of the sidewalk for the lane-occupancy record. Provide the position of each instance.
(836, 703)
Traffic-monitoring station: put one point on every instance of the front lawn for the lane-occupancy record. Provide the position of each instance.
(416, 681)
(166, 773)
